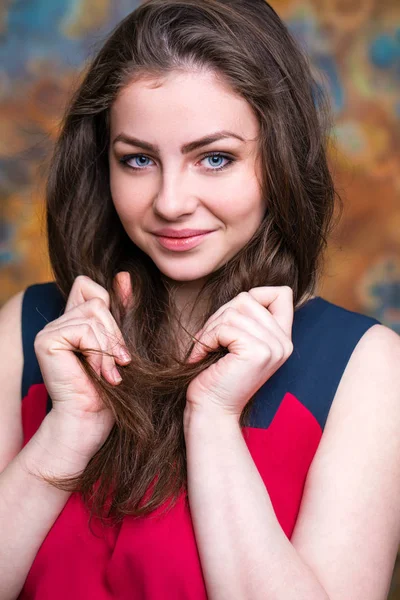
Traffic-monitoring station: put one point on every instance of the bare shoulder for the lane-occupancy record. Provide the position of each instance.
(371, 379)
(375, 360)
(348, 527)
(376, 340)
(11, 365)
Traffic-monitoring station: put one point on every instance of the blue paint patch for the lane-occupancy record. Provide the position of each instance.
(6, 257)
(33, 32)
(384, 51)
(388, 295)
(305, 31)
(6, 235)
(327, 64)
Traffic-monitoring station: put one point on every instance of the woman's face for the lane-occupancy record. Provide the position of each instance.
(165, 174)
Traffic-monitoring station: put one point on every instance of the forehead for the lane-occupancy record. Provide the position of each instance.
(181, 105)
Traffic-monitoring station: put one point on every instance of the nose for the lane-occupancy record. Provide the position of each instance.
(174, 198)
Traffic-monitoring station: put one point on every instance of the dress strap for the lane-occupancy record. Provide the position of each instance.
(42, 303)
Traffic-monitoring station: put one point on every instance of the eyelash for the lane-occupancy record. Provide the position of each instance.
(124, 161)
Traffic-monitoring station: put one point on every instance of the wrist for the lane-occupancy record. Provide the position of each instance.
(60, 447)
(84, 432)
(210, 417)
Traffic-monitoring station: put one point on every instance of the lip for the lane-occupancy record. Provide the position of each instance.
(180, 233)
(183, 243)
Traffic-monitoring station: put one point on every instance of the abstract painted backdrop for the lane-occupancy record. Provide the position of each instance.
(355, 50)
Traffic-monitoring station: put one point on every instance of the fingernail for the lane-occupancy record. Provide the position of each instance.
(116, 376)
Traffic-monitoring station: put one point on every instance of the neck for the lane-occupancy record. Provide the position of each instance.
(183, 299)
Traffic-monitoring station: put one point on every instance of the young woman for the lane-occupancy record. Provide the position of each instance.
(196, 422)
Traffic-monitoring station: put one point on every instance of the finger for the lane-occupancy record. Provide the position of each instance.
(74, 337)
(279, 351)
(237, 341)
(246, 304)
(93, 351)
(261, 330)
(84, 289)
(107, 343)
(123, 286)
(95, 310)
(279, 302)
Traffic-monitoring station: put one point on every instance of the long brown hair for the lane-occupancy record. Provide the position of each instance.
(247, 45)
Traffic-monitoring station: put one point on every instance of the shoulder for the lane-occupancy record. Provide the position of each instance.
(11, 366)
(365, 413)
(371, 350)
(10, 323)
(380, 336)
(12, 307)
(375, 361)
(10, 333)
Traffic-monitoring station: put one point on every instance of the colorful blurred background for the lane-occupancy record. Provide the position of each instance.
(354, 47)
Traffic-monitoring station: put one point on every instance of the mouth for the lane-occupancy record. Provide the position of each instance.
(182, 243)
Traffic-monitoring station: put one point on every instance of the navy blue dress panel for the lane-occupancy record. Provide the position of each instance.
(42, 303)
(324, 337)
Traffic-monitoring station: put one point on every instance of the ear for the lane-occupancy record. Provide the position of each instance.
(123, 287)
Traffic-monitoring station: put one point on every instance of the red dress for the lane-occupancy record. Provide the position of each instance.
(155, 557)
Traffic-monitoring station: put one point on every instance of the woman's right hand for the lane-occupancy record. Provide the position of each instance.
(86, 323)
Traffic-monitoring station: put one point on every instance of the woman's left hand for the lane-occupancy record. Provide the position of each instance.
(256, 328)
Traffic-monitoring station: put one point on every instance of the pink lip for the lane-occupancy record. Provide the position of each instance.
(180, 233)
(181, 244)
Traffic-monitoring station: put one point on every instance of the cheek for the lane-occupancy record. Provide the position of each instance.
(240, 203)
(128, 199)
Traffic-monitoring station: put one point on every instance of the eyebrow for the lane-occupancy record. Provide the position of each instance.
(186, 148)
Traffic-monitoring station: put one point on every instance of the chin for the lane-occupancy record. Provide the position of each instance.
(184, 277)
(183, 274)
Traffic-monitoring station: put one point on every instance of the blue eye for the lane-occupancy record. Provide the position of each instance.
(218, 156)
(141, 157)
(142, 164)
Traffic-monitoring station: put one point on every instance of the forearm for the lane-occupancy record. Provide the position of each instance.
(243, 550)
(28, 505)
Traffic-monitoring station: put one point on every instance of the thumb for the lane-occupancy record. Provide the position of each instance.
(123, 287)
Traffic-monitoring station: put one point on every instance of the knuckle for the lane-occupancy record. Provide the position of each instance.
(85, 281)
(88, 327)
(243, 298)
(105, 296)
(81, 279)
(46, 327)
(243, 295)
(229, 314)
(289, 348)
(265, 354)
(97, 304)
(43, 343)
(93, 323)
(43, 333)
(38, 341)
